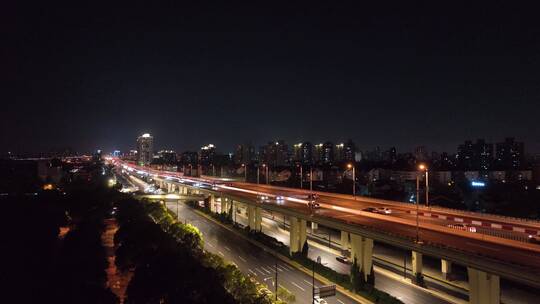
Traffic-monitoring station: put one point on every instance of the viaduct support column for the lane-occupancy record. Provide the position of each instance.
(294, 235)
(211, 201)
(251, 217)
(446, 269)
(484, 288)
(258, 219)
(362, 251)
(345, 241)
(224, 208)
(302, 237)
(417, 267)
(314, 226)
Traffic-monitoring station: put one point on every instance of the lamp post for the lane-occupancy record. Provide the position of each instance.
(421, 167)
(266, 167)
(352, 166)
(245, 172)
(257, 174)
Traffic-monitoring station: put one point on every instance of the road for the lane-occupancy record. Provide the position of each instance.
(255, 261)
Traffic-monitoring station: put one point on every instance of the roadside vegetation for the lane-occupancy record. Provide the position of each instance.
(170, 264)
(355, 281)
(52, 241)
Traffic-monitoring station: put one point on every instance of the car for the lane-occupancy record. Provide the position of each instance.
(379, 210)
(280, 198)
(263, 198)
(343, 260)
(535, 239)
(313, 205)
(463, 227)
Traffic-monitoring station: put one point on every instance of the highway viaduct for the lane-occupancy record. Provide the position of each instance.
(360, 229)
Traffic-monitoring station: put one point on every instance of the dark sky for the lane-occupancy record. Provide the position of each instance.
(391, 75)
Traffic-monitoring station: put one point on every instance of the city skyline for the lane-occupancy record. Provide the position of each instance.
(402, 77)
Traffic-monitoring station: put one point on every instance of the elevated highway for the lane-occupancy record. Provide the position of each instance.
(486, 255)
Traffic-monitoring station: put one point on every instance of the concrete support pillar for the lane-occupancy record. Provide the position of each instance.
(258, 219)
(367, 256)
(212, 201)
(303, 236)
(344, 241)
(356, 248)
(294, 235)
(254, 218)
(417, 266)
(362, 250)
(224, 208)
(314, 226)
(484, 288)
(446, 269)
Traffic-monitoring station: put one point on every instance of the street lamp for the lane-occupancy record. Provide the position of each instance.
(245, 172)
(258, 174)
(421, 167)
(265, 166)
(351, 166)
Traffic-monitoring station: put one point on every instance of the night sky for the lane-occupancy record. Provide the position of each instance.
(391, 75)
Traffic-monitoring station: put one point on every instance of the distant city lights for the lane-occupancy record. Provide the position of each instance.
(478, 184)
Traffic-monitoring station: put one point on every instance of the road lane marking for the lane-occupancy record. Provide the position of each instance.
(210, 244)
(221, 253)
(285, 266)
(228, 249)
(241, 258)
(308, 282)
(340, 301)
(252, 272)
(269, 272)
(260, 271)
(298, 286)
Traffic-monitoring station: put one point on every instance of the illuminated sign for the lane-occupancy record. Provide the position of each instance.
(478, 184)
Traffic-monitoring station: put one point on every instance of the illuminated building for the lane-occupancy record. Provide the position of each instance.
(244, 154)
(145, 149)
(206, 154)
(510, 154)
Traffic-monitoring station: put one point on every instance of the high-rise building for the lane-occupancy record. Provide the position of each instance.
(475, 156)
(317, 153)
(465, 155)
(145, 149)
(276, 153)
(339, 152)
(303, 153)
(349, 151)
(189, 158)
(297, 152)
(167, 156)
(206, 154)
(483, 155)
(245, 154)
(510, 154)
(327, 156)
